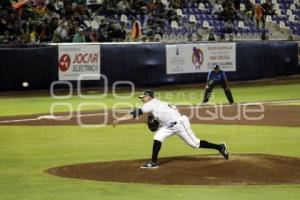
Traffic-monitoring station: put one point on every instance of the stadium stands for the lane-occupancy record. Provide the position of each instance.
(40, 21)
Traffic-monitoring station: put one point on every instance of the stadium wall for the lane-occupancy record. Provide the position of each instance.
(144, 64)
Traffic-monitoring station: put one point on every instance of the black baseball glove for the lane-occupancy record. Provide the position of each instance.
(153, 124)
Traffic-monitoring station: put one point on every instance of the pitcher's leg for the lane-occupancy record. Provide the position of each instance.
(162, 134)
(187, 135)
(155, 150)
(207, 145)
(185, 132)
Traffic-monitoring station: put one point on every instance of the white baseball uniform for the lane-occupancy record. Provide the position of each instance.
(172, 122)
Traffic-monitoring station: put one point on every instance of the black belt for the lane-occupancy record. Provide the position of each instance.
(172, 124)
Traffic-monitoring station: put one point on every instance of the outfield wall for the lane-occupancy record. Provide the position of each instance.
(144, 64)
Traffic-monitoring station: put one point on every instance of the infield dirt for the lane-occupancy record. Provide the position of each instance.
(273, 115)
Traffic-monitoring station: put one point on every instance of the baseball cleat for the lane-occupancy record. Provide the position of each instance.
(150, 165)
(224, 152)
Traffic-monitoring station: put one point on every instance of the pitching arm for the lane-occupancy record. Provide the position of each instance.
(128, 116)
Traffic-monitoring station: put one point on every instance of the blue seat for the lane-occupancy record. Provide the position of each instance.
(198, 16)
(218, 28)
(208, 5)
(275, 17)
(204, 17)
(195, 5)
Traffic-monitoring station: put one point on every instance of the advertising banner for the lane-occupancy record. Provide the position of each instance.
(298, 53)
(79, 62)
(195, 58)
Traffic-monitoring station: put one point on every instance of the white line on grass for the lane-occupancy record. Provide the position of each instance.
(53, 117)
(244, 103)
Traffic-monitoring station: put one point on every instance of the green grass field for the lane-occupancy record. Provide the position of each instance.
(25, 151)
(32, 105)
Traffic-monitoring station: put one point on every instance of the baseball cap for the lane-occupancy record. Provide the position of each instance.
(147, 93)
(216, 67)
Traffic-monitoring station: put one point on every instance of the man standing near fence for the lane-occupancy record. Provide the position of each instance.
(217, 77)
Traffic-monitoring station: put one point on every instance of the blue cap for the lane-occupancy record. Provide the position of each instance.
(216, 66)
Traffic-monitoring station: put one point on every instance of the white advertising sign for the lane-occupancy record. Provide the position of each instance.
(195, 58)
(79, 62)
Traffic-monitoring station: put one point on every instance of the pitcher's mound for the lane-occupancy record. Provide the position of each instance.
(192, 170)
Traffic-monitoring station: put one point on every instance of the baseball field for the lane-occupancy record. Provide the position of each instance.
(75, 157)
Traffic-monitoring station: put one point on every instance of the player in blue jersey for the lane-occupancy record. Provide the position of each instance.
(217, 77)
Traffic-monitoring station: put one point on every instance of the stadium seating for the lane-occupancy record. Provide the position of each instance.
(284, 22)
(196, 18)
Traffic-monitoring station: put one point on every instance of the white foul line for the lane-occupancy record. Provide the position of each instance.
(20, 120)
(242, 103)
(53, 117)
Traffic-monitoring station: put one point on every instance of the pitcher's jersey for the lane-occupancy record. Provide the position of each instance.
(162, 111)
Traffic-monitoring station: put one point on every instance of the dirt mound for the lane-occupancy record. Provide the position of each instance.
(192, 170)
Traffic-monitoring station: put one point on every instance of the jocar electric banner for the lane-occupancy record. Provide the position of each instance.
(76, 61)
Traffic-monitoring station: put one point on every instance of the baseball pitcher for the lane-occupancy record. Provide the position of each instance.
(169, 122)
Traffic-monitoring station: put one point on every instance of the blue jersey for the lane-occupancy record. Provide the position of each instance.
(216, 76)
